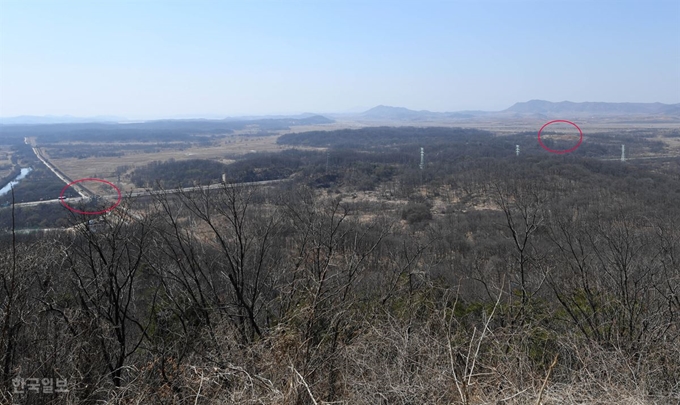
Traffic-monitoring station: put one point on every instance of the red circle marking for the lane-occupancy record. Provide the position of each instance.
(120, 197)
(560, 152)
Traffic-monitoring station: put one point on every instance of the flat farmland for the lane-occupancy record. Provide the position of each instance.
(223, 150)
(124, 156)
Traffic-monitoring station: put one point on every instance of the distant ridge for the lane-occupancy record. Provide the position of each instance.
(392, 113)
(593, 108)
(529, 109)
(268, 117)
(383, 112)
(56, 119)
(300, 119)
(306, 119)
(532, 109)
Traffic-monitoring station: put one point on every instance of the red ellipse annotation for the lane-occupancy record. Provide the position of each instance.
(560, 152)
(63, 202)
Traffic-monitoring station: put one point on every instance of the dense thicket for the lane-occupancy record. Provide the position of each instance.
(446, 144)
(184, 173)
(249, 168)
(540, 279)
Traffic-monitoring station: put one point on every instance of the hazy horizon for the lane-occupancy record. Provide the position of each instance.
(198, 116)
(182, 59)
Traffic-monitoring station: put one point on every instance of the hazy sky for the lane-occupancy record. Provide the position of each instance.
(152, 59)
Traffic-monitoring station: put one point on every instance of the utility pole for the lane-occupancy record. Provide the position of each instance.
(623, 153)
(517, 150)
(328, 158)
(422, 158)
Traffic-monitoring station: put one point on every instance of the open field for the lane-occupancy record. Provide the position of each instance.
(498, 126)
(105, 167)
(513, 126)
(125, 156)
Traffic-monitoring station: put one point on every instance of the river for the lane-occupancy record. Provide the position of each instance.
(21, 176)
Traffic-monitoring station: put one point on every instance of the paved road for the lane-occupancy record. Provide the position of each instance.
(38, 153)
(75, 200)
(86, 195)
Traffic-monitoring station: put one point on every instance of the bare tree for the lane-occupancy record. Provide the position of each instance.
(219, 236)
(108, 262)
(334, 252)
(523, 206)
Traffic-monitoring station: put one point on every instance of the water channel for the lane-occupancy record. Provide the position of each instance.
(24, 172)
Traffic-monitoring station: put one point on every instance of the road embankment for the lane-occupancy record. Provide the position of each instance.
(63, 177)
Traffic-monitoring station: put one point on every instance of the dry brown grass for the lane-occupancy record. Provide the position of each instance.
(238, 144)
(104, 167)
(405, 360)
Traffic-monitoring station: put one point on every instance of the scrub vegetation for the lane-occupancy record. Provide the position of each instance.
(363, 279)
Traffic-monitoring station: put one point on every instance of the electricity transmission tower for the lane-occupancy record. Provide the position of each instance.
(623, 153)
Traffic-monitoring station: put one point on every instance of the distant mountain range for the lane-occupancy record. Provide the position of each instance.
(56, 119)
(383, 112)
(300, 119)
(589, 108)
(529, 109)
